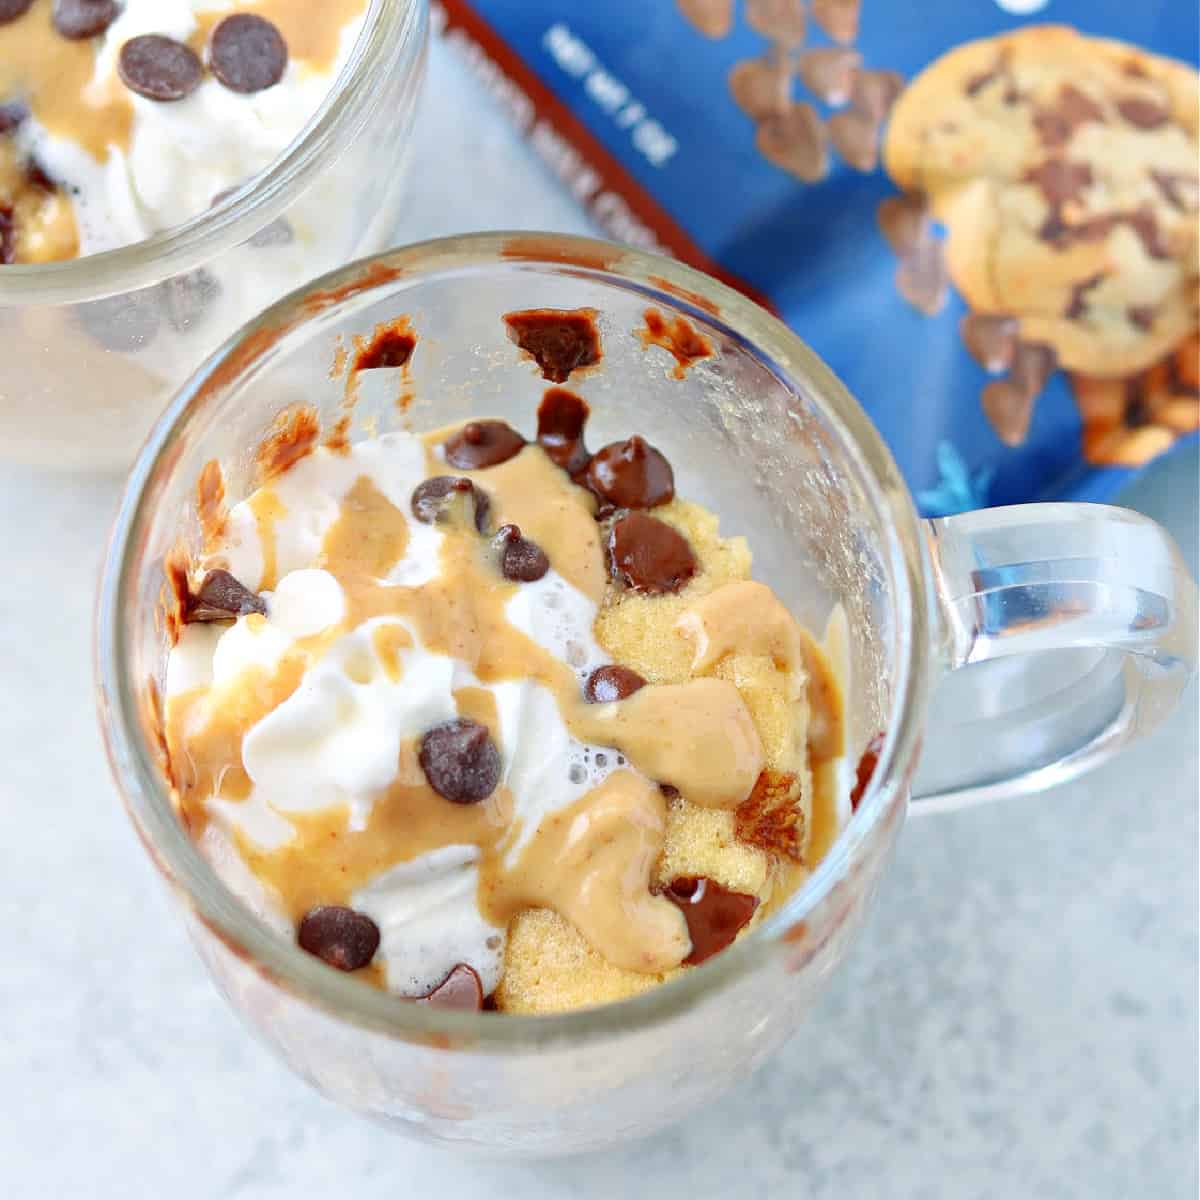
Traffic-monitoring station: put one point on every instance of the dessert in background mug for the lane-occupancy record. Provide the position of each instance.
(291, 463)
(167, 168)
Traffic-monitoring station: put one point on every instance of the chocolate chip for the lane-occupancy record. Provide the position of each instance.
(713, 18)
(521, 560)
(339, 936)
(222, 598)
(1060, 180)
(1141, 316)
(1008, 407)
(461, 990)
(1033, 364)
(460, 760)
(159, 68)
(247, 53)
(127, 323)
(875, 92)
(1008, 403)
(78, 19)
(432, 500)
(828, 72)
(480, 444)
(611, 683)
(561, 417)
(1143, 113)
(649, 556)
(1077, 302)
(388, 348)
(631, 474)
(921, 277)
(714, 914)
(865, 769)
(904, 221)
(759, 86)
(839, 18)
(855, 137)
(559, 341)
(990, 340)
(782, 21)
(795, 141)
(12, 114)
(188, 297)
(8, 235)
(10, 10)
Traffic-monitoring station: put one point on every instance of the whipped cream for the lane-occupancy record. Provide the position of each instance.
(181, 154)
(335, 743)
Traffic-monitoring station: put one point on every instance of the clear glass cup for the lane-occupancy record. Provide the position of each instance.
(95, 347)
(765, 435)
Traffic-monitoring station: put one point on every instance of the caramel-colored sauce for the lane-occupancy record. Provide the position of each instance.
(312, 31)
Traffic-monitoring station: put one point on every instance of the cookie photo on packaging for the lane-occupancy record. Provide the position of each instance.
(985, 221)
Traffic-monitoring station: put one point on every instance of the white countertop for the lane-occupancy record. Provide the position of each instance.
(1018, 1020)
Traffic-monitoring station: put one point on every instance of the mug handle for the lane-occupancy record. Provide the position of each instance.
(1066, 631)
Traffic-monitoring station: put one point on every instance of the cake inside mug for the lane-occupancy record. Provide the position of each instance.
(493, 720)
(122, 118)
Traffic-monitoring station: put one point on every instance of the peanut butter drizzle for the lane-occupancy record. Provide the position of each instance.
(327, 862)
(205, 729)
(53, 76)
(530, 491)
(312, 31)
(593, 864)
(742, 618)
(826, 735)
(267, 508)
(697, 736)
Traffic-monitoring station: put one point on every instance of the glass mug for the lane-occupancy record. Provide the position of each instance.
(765, 435)
(95, 347)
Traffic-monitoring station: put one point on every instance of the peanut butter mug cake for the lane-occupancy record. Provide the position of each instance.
(495, 722)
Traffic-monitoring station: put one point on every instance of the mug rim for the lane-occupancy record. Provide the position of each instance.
(136, 768)
(389, 29)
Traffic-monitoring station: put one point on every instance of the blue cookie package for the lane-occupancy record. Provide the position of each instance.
(981, 213)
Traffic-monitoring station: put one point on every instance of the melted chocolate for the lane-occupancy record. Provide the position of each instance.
(559, 341)
(631, 474)
(610, 683)
(714, 914)
(866, 768)
(388, 348)
(561, 418)
(480, 444)
(461, 990)
(649, 556)
(223, 598)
